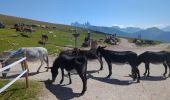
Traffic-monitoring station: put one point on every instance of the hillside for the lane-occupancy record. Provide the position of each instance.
(61, 35)
(152, 33)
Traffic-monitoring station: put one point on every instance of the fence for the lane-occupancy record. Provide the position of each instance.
(25, 71)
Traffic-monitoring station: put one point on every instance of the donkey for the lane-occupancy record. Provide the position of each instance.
(123, 57)
(90, 55)
(44, 38)
(70, 63)
(161, 57)
(32, 54)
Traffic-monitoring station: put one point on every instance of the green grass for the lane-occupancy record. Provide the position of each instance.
(62, 35)
(168, 49)
(18, 90)
(130, 40)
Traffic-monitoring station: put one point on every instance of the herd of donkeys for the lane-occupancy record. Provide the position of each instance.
(77, 60)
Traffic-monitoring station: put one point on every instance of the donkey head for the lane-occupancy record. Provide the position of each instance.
(4, 74)
(99, 49)
(54, 72)
(54, 69)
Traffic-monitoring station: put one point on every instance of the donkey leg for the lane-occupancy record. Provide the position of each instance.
(138, 73)
(22, 65)
(84, 80)
(148, 69)
(40, 65)
(132, 72)
(101, 63)
(168, 63)
(69, 78)
(47, 62)
(110, 69)
(165, 69)
(62, 74)
(134, 75)
(145, 70)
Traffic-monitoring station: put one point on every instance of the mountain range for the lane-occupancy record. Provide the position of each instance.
(152, 33)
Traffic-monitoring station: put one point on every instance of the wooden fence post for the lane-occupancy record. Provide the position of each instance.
(26, 68)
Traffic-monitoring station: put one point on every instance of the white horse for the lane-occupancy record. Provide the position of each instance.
(32, 54)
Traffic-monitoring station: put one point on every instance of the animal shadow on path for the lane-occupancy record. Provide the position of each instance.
(88, 72)
(109, 80)
(29, 74)
(153, 78)
(61, 92)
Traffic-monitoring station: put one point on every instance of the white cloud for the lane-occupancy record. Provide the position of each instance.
(143, 26)
(124, 26)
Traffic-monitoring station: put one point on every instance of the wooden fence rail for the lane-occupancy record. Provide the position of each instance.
(25, 71)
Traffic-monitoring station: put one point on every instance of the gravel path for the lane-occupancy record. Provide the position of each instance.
(118, 87)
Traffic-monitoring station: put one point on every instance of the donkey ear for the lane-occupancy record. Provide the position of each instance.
(48, 67)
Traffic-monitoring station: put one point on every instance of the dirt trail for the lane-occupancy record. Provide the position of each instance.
(118, 87)
(125, 46)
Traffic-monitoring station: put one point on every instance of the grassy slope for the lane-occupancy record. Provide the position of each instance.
(62, 36)
(168, 49)
(18, 90)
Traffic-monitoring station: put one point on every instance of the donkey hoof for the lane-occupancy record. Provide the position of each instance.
(147, 75)
(138, 81)
(169, 75)
(130, 75)
(134, 79)
(82, 93)
(101, 68)
(4, 76)
(70, 82)
(108, 76)
(144, 74)
(61, 82)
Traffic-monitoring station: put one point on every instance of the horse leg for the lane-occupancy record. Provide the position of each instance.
(40, 65)
(69, 78)
(62, 74)
(110, 69)
(165, 69)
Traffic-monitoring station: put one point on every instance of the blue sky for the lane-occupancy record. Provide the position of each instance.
(140, 13)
